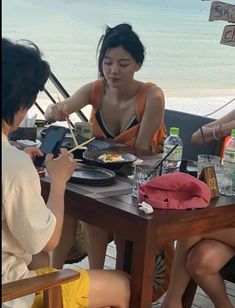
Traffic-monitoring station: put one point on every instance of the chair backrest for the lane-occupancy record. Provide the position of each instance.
(188, 123)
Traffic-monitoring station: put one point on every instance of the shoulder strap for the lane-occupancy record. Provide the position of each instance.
(96, 93)
(141, 99)
(160, 134)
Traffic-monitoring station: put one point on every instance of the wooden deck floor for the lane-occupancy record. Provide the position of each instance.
(201, 300)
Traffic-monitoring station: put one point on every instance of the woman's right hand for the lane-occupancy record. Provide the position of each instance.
(62, 167)
(56, 112)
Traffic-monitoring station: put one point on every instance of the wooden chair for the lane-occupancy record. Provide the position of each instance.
(48, 283)
(227, 272)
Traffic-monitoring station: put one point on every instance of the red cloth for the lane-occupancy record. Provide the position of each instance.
(175, 191)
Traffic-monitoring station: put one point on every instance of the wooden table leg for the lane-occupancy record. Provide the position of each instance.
(124, 257)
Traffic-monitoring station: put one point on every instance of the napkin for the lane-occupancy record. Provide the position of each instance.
(145, 207)
(175, 191)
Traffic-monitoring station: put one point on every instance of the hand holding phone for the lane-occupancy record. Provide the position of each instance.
(62, 167)
(51, 143)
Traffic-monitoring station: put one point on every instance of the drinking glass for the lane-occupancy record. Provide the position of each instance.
(205, 160)
(143, 174)
(225, 180)
(83, 130)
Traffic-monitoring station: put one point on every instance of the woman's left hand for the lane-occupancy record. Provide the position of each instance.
(33, 152)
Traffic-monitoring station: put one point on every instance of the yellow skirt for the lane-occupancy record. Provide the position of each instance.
(74, 293)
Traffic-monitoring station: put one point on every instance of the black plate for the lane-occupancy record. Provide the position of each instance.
(92, 157)
(92, 175)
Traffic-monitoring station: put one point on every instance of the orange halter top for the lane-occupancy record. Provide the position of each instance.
(128, 136)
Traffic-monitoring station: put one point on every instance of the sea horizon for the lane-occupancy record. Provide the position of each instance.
(184, 56)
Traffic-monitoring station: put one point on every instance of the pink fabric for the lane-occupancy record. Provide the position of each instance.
(175, 191)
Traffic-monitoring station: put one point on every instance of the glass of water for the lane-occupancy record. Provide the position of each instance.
(205, 160)
(143, 174)
(225, 180)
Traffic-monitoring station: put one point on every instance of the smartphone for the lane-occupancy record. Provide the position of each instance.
(53, 139)
(51, 142)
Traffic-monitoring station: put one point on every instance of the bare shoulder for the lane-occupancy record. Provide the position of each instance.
(155, 97)
(154, 108)
(155, 91)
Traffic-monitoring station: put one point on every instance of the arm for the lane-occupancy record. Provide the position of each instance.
(216, 129)
(61, 110)
(229, 117)
(152, 118)
(60, 170)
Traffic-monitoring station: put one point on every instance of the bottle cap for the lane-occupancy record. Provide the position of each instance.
(174, 131)
(233, 133)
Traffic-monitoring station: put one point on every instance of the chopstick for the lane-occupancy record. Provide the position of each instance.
(71, 131)
(80, 145)
(70, 128)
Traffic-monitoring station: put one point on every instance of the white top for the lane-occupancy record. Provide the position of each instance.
(27, 223)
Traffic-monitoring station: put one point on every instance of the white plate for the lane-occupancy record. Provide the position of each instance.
(29, 143)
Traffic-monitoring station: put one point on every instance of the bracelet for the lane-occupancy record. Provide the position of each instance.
(214, 134)
(202, 135)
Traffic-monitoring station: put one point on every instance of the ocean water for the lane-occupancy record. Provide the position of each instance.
(183, 51)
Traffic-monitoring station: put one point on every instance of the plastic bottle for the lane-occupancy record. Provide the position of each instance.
(229, 151)
(229, 165)
(173, 161)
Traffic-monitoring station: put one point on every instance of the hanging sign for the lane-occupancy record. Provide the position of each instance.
(222, 11)
(228, 36)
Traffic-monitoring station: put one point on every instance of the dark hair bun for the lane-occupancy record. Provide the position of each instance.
(118, 29)
(122, 36)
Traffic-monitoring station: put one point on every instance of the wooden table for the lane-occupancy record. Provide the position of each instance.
(116, 211)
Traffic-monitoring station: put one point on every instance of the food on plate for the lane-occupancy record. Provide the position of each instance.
(111, 157)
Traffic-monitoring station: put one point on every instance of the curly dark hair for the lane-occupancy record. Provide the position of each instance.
(120, 36)
(24, 74)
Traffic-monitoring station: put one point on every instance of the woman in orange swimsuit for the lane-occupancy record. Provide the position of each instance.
(124, 109)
